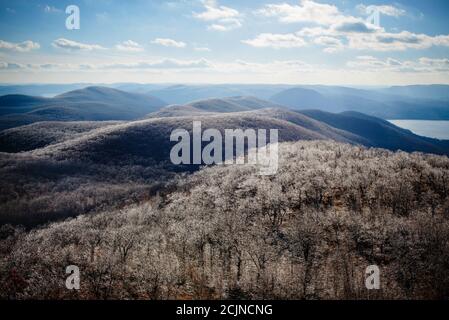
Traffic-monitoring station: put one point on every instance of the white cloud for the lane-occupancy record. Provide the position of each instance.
(129, 46)
(306, 11)
(73, 45)
(346, 31)
(387, 10)
(422, 65)
(385, 41)
(225, 25)
(270, 40)
(351, 25)
(160, 64)
(51, 9)
(214, 12)
(222, 18)
(169, 43)
(202, 49)
(429, 61)
(356, 37)
(11, 66)
(19, 47)
(273, 68)
(363, 70)
(331, 44)
(309, 11)
(168, 64)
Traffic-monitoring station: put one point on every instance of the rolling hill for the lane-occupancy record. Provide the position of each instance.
(148, 141)
(232, 104)
(380, 133)
(216, 105)
(349, 127)
(92, 165)
(306, 122)
(41, 134)
(91, 103)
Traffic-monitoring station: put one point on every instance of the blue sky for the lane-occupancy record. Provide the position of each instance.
(225, 41)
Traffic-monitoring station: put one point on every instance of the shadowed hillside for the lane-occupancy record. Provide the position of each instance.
(311, 124)
(349, 127)
(379, 132)
(41, 134)
(106, 167)
(16, 103)
(149, 140)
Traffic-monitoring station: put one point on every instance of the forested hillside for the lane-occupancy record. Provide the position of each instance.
(226, 232)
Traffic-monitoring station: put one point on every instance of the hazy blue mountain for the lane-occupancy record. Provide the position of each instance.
(138, 87)
(16, 103)
(183, 94)
(332, 99)
(91, 103)
(426, 102)
(44, 90)
(432, 92)
(377, 103)
(113, 97)
(301, 98)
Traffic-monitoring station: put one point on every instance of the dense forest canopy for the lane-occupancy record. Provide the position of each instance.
(226, 232)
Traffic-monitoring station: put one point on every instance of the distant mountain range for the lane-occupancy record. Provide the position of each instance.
(391, 103)
(148, 139)
(425, 102)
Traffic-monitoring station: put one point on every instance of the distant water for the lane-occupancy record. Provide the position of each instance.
(426, 128)
(49, 95)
